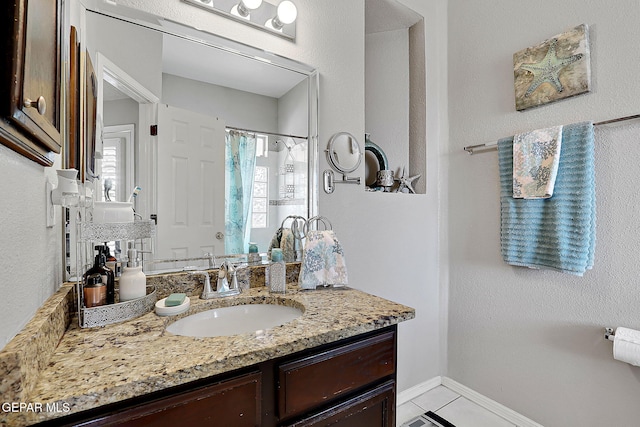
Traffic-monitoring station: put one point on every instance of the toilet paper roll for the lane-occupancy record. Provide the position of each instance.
(626, 346)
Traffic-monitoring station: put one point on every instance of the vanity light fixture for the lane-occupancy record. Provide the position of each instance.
(244, 8)
(279, 20)
(286, 13)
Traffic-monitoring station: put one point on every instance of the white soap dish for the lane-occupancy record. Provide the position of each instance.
(162, 310)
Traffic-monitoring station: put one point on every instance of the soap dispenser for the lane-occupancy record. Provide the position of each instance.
(254, 256)
(133, 282)
(108, 277)
(277, 272)
(95, 292)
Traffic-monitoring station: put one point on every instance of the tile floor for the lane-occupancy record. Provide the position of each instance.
(451, 406)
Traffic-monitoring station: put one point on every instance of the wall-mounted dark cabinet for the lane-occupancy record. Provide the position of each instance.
(30, 78)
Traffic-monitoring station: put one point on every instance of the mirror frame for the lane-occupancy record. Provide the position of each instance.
(112, 73)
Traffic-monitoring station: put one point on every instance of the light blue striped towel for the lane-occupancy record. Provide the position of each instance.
(558, 233)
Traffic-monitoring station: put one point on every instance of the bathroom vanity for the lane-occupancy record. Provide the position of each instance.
(335, 364)
(350, 383)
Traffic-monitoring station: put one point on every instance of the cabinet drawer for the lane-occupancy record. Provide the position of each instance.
(312, 381)
(371, 409)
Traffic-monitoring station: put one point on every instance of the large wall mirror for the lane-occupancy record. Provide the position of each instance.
(220, 137)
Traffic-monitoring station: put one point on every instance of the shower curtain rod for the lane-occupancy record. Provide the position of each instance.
(266, 133)
(483, 148)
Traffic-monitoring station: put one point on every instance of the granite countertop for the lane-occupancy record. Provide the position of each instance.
(97, 366)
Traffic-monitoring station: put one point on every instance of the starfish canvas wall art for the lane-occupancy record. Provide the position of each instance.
(555, 69)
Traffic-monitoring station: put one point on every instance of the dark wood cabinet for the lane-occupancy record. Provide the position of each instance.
(30, 78)
(349, 383)
(233, 402)
(374, 408)
(311, 381)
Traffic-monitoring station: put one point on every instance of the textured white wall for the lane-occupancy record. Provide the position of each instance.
(533, 340)
(30, 253)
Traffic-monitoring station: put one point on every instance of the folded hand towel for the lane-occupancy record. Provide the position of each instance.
(556, 233)
(323, 261)
(288, 243)
(285, 240)
(536, 156)
(275, 241)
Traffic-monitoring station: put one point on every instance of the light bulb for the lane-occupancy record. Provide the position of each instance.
(252, 4)
(244, 8)
(287, 12)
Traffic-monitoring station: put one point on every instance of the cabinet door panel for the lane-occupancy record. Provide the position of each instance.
(375, 408)
(30, 70)
(41, 71)
(234, 402)
(315, 380)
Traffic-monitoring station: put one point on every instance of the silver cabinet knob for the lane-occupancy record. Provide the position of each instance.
(219, 235)
(40, 104)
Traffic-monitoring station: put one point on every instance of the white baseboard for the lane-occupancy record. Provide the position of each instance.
(415, 391)
(489, 404)
(472, 395)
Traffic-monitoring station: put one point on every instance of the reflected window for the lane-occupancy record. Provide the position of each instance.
(262, 146)
(260, 203)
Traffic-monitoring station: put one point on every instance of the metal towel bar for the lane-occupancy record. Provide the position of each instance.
(481, 148)
(325, 221)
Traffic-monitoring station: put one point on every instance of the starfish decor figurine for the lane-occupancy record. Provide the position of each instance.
(548, 69)
(406, 183)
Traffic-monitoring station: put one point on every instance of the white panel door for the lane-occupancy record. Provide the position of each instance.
(190, 184)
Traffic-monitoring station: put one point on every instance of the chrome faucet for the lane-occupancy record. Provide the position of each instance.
(231, 271)
(207, 291)
(223, 282)
(227, 279)
(225, 273)
(212, 259)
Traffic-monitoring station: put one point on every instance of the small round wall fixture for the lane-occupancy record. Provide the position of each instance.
(344, 155)
(344, 152)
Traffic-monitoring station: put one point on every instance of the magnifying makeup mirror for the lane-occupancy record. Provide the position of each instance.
(345, 155)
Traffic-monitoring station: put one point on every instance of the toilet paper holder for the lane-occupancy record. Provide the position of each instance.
(609, 334)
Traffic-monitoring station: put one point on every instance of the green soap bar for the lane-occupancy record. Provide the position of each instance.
(174, 299)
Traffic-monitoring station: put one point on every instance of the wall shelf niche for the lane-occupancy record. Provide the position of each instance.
(395, 90)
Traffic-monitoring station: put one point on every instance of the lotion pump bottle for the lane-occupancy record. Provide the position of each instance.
(133, 282)
(277, 272)
(106, 273)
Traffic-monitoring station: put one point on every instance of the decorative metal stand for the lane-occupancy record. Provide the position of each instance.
(89, 234)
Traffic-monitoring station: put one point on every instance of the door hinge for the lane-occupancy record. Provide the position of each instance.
(153, 130)
(154, 217)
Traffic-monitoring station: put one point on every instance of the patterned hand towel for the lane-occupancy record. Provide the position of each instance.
(536, 156)
(323, 261)
(557, 233)
(288, 245)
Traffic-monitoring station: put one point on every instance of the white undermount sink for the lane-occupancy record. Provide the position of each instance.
(237, 319)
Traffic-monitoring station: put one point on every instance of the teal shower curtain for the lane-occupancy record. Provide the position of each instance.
(240, 162)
